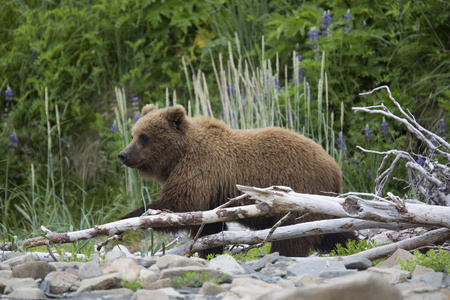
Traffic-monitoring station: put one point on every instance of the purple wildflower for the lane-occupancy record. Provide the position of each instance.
(114, 127)
(313, 37)
(136, 118)
(384, 128)
(13, 140)
(348, 20)
(420, 161)
(326, 22)
(367, 133)
(341, 141)
(433, 141)
(369, 173)
(9, 94)
(441, 126)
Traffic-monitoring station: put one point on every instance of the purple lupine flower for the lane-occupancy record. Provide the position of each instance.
(136, 118)
(433, 141)
(9, 94)
(341, 141)
(367, 133)
(420, 161)
(348, 20)
(326, 22)
(36, 54)
(276, 82)
(313, 37)
(114, 127)
(13, 140)
(299, 57)
(369, 174)
(384, 128)
(441, 126)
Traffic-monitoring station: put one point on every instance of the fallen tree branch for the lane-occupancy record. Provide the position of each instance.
(285, 232)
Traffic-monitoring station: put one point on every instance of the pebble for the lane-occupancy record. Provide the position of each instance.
(271, 277)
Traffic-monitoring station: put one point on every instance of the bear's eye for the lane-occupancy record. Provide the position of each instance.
(143, 139)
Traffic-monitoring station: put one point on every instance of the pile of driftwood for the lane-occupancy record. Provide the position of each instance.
(428, 179)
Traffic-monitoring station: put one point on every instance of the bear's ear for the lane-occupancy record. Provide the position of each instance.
(146, 109)
(176, 114)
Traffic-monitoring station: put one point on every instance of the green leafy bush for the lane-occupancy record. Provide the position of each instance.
(194, 279)
(436, 260)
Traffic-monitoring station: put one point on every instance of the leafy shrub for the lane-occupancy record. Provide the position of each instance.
(193, 279)
(436, 260)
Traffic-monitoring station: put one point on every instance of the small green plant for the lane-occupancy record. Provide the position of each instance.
(193, 279)
(438, 261)
(351, 247)
(132, 285)
(246, 256)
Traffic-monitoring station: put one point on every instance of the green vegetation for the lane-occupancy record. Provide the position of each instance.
(436, 260)
(297, 64)
(244, 257)
(132, 285)
(353, 247)
(193, 279)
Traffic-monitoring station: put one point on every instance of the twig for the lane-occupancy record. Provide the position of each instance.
(115, 237)
(50, 251)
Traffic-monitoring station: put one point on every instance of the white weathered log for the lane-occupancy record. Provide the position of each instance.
(249, 237)
(351, 206)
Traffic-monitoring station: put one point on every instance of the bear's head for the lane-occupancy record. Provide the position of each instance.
(158, 141)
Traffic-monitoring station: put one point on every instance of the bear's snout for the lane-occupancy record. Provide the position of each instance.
(123, 157)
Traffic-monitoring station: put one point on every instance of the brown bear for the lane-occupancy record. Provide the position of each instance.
(200, 160)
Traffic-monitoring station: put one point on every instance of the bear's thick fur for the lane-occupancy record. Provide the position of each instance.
(199, 161)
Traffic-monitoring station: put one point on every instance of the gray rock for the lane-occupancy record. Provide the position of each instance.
(115, 292)
(45, 286)
(147, 261)
(19, 283)
(358, 263)
(314, 267)
(251, 288)
(104, 282)
(332, 273)
(118, 252)
(392, 275)
(420, 270)
(393, 261)
(5, 274)
(176, 261)
(33, 269)
(15, 261)
(147, 277)
(63, 265)
(363, 285)
(422, 291)
(277, 269)
(3, 283)
(433, 279)
(286, 284)
(27, 293)
(265, 278)
(227, 264)
(214, 274)
(61, 282)
(446, 281)
(90, 270)
(267, 259)
(248, 269)
(126, 267)
(159, 284)
(5, 267)
(149, 295)
(209, 288)
(9, 255)
(306, 279)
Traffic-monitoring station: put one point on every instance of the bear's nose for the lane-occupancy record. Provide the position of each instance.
(123, 157)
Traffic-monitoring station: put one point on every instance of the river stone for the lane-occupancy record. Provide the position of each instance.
(367, 286)
(251, 288)
(286, 284)
(14, 254)
(147, 277)
(3, 283)
(149, 295)
(392, 275)
(159, 284)
(209, 288)
(45, 286)
(335, 272)
(5, 273)
(117, 252)
(27, 293)
(306, 279)
(277, 269)
(19, 283)
(358, 263)
(90, 270)
(15, 261)
(178, 272)
(104, 282)
(175, 261)
(126, 267)
(61, 282)
(314, 267)
(433, 279)
(114, 292)
(267, 259)
(227, 264)
(5, 267)
(265, 278)
(147, 261)
(33, 269)
(420, 270)
(393, 261)
(422, 291)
